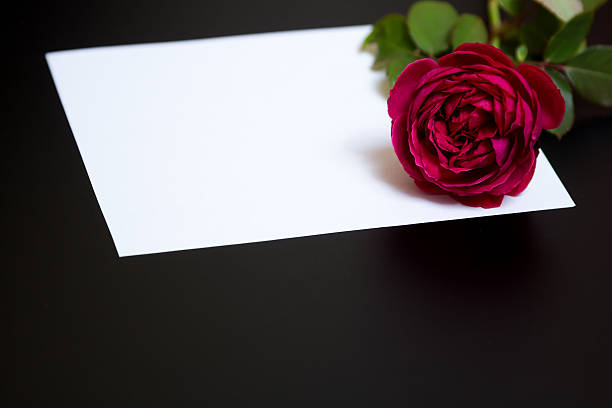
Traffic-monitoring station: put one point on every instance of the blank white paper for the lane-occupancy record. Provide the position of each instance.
(222, 141)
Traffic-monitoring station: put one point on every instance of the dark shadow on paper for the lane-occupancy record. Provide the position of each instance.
(387, 168)
(383, 87)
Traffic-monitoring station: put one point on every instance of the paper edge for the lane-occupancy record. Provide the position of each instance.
(48, 58)
(128, 254)
(215, 38)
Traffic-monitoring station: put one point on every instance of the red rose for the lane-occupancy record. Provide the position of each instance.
(468, 125)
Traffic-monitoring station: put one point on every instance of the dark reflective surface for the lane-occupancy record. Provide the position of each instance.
(502, 311)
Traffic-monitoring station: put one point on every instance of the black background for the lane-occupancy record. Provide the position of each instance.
(511, 310)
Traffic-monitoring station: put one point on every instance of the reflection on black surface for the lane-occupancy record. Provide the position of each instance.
(483, 257)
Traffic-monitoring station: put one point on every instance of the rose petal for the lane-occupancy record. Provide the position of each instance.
(474, 162)
(499, 82)
(516, 174)
(399, 139)
(450, 104)
(400, 96)
(494, 53)
(483, 102)
(478, 118)
(486, 132)
(482, 200)
(498, 114)
(463, 58)
(441, 73)
(428, 187)
(549, 96)
(419, 98)
(442, 138)
(464, 184)
(501, 145)
(518, 82)
(526, 180)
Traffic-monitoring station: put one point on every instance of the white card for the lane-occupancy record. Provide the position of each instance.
(231, 140)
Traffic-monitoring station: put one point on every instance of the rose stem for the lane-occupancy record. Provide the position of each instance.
(494, 22)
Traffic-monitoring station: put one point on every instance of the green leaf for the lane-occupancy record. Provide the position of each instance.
(430, 23)
(564, 44)
(566, 91)
(547, 20)
(392, 29)
(536, 34)
(590, 5)
(512, 6)
(581, 48)
(565, 10)
(591, 74)
(521, 53)
(390, 34)
(534, 38)
(469, 28)
(396, 66)
(382, 26)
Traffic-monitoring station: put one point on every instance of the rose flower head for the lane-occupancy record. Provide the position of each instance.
(468, 125)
